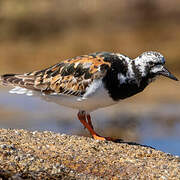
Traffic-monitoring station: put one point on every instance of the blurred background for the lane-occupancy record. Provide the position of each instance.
(35, 35)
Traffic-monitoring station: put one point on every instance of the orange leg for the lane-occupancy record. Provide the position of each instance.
(89, 120)
(82, 117)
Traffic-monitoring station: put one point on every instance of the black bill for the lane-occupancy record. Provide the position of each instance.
(165, 72)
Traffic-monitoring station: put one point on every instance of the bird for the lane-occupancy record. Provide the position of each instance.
(90, 82)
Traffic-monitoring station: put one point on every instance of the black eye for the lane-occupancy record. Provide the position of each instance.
(151, 63)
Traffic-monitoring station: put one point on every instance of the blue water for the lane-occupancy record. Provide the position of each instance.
(167, 144)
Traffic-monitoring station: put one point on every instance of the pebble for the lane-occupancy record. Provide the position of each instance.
(48, 155)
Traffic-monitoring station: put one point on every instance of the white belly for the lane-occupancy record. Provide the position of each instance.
(95, 97)
(99, 99)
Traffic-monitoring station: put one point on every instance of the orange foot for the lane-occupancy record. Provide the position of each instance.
(82, 116)
(97, 137)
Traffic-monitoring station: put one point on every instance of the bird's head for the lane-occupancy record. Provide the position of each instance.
(151, 64)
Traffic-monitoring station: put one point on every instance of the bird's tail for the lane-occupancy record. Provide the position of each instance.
(19, 80)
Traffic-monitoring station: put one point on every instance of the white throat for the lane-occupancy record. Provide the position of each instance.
(130, 75)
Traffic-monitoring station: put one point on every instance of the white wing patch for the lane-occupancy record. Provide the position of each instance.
(122, 79)
(19, 90)
(93, 88)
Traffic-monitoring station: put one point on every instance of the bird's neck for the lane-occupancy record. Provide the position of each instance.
(124, 84)
(141, 66)
(134, 74)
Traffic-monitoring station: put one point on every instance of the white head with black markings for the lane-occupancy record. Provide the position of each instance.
(151, 64)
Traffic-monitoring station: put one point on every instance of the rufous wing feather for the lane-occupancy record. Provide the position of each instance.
(70, 77)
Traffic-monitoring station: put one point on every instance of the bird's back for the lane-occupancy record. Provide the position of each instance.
(71, 76)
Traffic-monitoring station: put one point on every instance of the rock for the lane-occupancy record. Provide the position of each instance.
(48, 155)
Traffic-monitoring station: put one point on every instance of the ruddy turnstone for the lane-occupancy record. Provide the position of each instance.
(91, 81)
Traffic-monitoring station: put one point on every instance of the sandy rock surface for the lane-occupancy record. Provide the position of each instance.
(48, 155)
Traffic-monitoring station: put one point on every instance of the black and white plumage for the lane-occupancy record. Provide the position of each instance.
(91, 81)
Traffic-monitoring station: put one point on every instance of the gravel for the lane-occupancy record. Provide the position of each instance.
(47, 155)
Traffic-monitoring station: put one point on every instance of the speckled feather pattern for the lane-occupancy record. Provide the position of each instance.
(69, 77)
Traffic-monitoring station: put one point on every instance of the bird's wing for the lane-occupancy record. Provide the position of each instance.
(69, 77)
